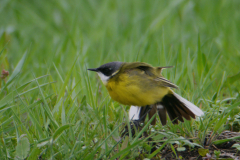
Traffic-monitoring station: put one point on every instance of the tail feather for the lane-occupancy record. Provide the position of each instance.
(162, 113)
(177, 108)
(172, 113)
(184, 111)
(134, 112)
(185, 115)
(194, 109)
(150, 111)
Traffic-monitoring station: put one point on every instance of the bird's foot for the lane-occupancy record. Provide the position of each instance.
(135, 126)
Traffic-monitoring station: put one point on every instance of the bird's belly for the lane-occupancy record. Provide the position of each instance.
(135, 94)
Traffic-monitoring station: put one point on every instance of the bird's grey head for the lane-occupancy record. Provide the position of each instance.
(106, 71)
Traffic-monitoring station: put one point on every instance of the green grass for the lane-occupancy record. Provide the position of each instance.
(51, 107)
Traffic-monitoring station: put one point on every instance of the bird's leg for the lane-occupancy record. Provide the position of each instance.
(142, 116)
(150, 111)
(137, 124)
(144, 111)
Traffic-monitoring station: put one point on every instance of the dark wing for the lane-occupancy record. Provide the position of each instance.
(150, 71)
(153, 72)
(147, 68)
(165, 82)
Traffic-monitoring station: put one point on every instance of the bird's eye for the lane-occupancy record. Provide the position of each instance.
(107, 71)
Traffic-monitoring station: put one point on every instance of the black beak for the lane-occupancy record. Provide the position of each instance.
(93, 69)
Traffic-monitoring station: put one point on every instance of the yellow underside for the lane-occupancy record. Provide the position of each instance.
(132, 91)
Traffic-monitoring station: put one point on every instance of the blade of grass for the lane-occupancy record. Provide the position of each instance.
(62, 91)
(91, 155)
(158, 150)
(144, 129)
(59, 131)
(8, 98)
(130, 147)
(16, 71)
(45, 106)
(4, 48)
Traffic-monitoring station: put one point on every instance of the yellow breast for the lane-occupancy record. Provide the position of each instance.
(130, 90)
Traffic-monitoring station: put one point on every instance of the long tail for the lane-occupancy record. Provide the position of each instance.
(173, 104)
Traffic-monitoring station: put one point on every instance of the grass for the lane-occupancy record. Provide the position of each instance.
(52, 108)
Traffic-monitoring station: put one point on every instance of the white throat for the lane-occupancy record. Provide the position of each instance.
(103, 78)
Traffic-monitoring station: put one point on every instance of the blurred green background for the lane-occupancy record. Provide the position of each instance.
(103, 31)
(200, 38)
(55, 32)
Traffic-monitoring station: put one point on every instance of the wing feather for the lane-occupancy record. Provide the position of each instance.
(153, 73)
(165, 82)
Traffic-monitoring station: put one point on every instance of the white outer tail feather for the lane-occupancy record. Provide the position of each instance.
(134, 112)
(195, 110)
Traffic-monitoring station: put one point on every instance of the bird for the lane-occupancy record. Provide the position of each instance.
(142, 86)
